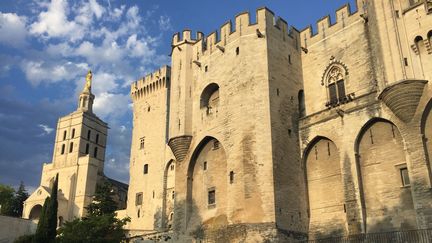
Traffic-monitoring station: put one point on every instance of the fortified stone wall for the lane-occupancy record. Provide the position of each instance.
(278, 134)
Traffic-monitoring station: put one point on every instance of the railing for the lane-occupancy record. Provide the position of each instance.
(413, 236)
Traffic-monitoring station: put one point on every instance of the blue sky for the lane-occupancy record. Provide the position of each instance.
(47, 46)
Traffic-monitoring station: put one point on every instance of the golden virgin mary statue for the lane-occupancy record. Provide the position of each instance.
(89, 77)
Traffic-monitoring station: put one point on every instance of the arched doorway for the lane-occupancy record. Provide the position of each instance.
(169, 194)
(35, 212)
(386, 192)
(207, 185)
(325, 189)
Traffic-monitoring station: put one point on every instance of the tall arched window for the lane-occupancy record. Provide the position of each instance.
(336, 85)
(63, 149)
(73, 133)
(71, 148)
(64, 135)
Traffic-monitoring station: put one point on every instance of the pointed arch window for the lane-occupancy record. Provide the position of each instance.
(335, 86)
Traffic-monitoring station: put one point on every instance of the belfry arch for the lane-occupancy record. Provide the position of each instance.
(325, 187)
(207, 181)
(385, 190)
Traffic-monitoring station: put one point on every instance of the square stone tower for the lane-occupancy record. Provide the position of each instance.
(78, 159)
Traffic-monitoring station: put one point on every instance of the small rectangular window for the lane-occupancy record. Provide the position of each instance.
(404, 176)
(205, 165)
(406, 61)
(237, 51)
(142, 141)
(97, 138)
(211, 197)
(289, 59)
(73, 133)
(146, 169)
(88, 134)
(138, 198)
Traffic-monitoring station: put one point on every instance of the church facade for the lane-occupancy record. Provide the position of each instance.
(78, 160)
(263, 132)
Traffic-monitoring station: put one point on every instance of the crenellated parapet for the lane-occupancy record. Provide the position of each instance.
(151, 83)
(229, 32)
(325, 28)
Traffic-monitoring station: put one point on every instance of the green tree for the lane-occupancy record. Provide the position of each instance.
(47, 225)
(103, 202)
(20, 196)
(102, 228)
(100, 225)
(6, 200)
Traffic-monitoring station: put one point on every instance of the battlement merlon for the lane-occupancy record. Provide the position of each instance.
(324, 27)
(150, 82)
(265, 19)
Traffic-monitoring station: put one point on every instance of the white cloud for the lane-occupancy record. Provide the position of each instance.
(109, 105)
(46, 128)
(38, 71)
(13, 29)
(54, 23)
(97, 9)
(104, 82)
(165, 23)
(139, 48)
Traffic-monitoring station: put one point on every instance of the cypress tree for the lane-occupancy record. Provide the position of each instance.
(52, 212)
(41, 230)
(46, 230)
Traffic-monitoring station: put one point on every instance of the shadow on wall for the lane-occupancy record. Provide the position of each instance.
(386, 223)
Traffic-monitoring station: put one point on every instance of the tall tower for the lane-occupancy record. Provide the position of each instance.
(78, 159)
(180, 131)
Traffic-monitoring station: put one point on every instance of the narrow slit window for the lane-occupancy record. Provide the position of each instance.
(71, 148)
(205, 165)
(73, 133)
(237, 51)
(63, 149)
(87, 148)
(88, 134)
(64, 135)
(231, 177)
(97, 138)
(95, 152)
(146, 167)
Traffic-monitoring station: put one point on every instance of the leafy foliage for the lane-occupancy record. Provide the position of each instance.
(103, 202)
(12, 202)
(6, 200)
(102, 228)
(100, 225)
